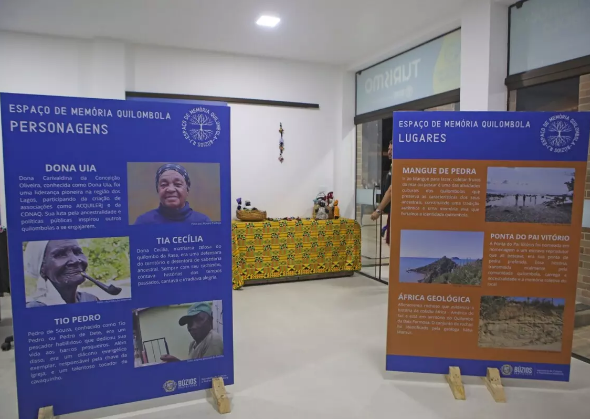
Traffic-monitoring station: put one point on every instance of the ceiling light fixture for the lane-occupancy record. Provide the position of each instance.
(269, 21)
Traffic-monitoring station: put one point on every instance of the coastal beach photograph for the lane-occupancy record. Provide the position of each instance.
(521, 323)
(530, 195)
(441, 257)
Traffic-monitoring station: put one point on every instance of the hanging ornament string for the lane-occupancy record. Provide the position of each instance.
(281, 143)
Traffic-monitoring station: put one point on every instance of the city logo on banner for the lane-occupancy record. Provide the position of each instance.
(169, 386)
(188, 383)
(201, 127)
(508, 370)
(560, 133)
(520, 370)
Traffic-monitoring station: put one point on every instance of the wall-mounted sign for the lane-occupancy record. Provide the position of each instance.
(429, 69)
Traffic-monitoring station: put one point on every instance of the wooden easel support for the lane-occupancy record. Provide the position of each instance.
(454, 380)
(494, 385)
(220, 396)
(46, 413)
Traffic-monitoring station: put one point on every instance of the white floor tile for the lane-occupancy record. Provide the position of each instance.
(317, 350)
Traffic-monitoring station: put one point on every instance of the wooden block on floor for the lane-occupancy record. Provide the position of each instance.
(494, 385)
(454, 380)
(220, 396)
(46, 413)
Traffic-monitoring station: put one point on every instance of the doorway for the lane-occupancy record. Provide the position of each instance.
(372, 166)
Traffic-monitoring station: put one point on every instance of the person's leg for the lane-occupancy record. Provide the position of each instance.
(387, 236)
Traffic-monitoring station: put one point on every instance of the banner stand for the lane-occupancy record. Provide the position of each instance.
(485, 244)
(46, 413)
(492, 381)
(454, 380)
(220, 396)
(78, 282)
(494, 385)
(218, 392)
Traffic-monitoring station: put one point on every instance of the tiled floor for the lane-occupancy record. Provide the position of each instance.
(371, 244)
(375, 272)
(582, 341)
(329, 363)
(370, 241)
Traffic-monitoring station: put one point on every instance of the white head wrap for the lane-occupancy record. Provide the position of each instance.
(33, 260)
(33, 257)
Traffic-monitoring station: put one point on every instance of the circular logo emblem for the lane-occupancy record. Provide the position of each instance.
(506, 369)
(170, 386)
(560, 133)
(201, 127)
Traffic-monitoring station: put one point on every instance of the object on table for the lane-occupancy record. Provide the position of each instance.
(316, 203)
(247, 212)
(323, 208)
(322, 212)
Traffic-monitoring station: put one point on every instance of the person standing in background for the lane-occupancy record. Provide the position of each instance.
(384, 206)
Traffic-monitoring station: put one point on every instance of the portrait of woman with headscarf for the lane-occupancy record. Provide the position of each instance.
(173, 185)
(58, 266)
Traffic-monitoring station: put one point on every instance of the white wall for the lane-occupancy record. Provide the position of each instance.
(281, 189)
(40, 65)
(318, 143)
(484, 55)
(345, 148)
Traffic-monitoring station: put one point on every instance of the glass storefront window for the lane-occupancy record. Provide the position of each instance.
(567, 95)
(546, 32)
(372, 167)
(561, 95)
(369, 188)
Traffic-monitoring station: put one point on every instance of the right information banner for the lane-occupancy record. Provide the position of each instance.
(485, 240)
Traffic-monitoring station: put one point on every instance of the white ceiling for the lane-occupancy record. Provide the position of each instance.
(342, 32)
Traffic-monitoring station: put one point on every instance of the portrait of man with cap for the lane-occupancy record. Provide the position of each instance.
(206, 341)
(172, 186)
(58, 266)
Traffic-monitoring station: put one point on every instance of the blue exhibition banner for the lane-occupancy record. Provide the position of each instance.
(540, 136)
(119, 220)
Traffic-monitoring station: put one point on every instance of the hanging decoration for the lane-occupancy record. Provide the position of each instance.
(281, 143)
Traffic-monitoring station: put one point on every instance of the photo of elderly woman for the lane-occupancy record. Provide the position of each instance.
(76, 271)
(162, 193)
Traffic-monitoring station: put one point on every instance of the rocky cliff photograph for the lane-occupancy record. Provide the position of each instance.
(521, 323)
(441, 257)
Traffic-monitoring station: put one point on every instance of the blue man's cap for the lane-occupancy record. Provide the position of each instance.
(193, 311)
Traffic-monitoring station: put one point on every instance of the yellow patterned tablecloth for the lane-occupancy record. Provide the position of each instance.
(275, 249)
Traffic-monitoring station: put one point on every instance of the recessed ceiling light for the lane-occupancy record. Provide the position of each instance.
(270, 21)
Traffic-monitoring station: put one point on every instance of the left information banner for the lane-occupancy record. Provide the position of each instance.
(119, 238)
